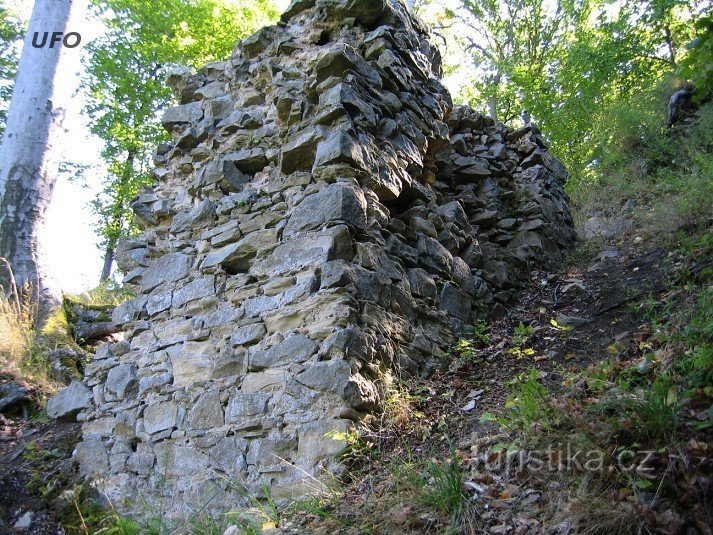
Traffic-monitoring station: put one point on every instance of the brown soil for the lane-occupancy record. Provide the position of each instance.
(35, 464)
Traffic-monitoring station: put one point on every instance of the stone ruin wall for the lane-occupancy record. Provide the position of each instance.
(322, 216)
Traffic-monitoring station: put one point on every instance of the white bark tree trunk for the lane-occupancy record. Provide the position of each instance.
(28, 154)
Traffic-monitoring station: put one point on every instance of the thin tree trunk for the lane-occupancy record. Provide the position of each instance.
(492, 108)
(108, 263)
(116, 225)
(28, 155)
(493, 101)
(669, 45)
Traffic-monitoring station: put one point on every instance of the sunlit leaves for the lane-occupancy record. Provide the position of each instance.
(10, 34)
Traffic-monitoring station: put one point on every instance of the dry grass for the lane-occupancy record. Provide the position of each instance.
(591, 511)
(20, 357)
(16, 332)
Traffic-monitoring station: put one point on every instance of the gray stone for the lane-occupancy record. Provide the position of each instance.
(121, 380)
(193, 291)
(366, 12)
(92, 456)
(130, 254)
(248, 334)
(207, 412)
(293, 349)
(68, 402)
(192, 362)
(295, 7)
(235, 258)
(167, 268)
(336, 61)
(160, 417)
(12, 396)
(339, 147)
(244, 407)
(433, 256)
(183, 114)
(248, 161)
(455, 301)
(572, 321)
(315, 249)
(322, 439)
(330, 376)
(298, 153)
(334, 203)
(24, 522)
(228, 455)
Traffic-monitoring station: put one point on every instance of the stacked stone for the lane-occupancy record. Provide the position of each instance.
(322, 217)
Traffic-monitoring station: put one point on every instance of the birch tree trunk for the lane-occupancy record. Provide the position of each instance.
(28, 154)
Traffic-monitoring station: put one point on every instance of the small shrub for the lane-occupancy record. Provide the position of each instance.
(436, 483)
(521, 335)
(647, 416)
(529, 405)
(443, 487)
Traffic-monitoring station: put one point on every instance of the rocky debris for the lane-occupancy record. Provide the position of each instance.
(14, 397)
(24, 522)
(70, 401)
(322, 215)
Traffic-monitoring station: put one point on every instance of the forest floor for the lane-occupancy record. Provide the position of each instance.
(588, 360)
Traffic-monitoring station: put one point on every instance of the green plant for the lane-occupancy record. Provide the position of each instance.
(480, 333)
(698, 334)
(84, 515)
(465, 349)
(528, 405)
(697, 66)
(646, 416)
(398, 402)
(522, 334)
(443, 486)
(521, 352)
(108, 294)
(435, 483)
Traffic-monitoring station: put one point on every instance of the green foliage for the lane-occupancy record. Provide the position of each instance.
(646, 416)
(522, 334)
(443, 486)
(107, 295)
(84, 515)
(572, 65)
(465, 347)
(697, 66)
(126, 90)
(669, 172)
(698, 363)
(437, 483)
(529, 405)
(10, 35)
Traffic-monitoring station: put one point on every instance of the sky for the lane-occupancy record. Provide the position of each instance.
(69, 237)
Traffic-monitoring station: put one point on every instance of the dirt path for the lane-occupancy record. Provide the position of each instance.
(35, 466)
